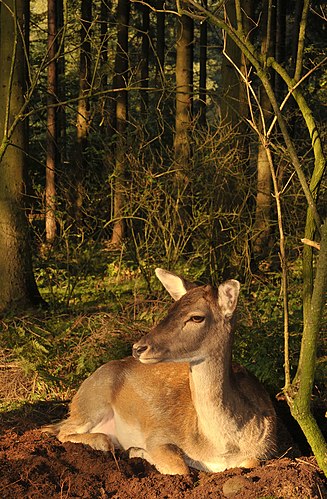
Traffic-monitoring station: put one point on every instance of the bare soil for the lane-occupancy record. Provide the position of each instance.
(35, 465)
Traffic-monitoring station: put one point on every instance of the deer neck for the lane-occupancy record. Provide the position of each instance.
(211, 384)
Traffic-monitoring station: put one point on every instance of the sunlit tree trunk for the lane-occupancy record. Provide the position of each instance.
(263, 204)
(184, 89)
(299, 394)
(108, 104)
(17, 283)
(107, 100)
(51, 160)
(121, 77)
(61, 13)
(83, 108)
(262, 224)
(203, 71)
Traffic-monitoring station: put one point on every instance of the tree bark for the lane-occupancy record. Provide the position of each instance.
(120, 82)
(229, 76)
(17, 284)
(280, 49)
(295, 33)
(161, 42)
(61, 18)
(234, 103)
(262, 223)
(145, 61)
(203, 72)
(184, 90)
(104, 18)
(83, 108)
(51, 160)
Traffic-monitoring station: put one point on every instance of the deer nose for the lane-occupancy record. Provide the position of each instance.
(137, 350)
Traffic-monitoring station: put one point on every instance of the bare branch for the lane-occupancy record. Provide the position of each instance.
(313, 244)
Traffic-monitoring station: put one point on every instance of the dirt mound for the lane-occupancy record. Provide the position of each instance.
(35, 465)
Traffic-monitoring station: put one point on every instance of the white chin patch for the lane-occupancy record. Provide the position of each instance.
(149, 360)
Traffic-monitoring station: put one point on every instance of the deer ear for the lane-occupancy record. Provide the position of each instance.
(175, 285)
(227, 296)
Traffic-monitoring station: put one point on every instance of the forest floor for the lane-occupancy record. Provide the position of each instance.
(36, 465)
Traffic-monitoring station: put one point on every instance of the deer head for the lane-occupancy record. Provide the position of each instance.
(199, 322)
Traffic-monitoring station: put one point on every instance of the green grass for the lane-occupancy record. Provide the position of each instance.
(93, 316)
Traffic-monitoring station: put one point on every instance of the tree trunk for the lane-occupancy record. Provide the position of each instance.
(159, 79)
(262, 224)
(107, 100)
(61, 13)
(120, 80)
(234, 105)
(83, 108)
(145, 62)
(203, 71)
(280, 49)
(50, 189)
(17, 283)
(184, 89)
(295, 34)
(104, 18)
(229, 76)
(28, 184)
(243, 107)
(161, 42)
(299, 394)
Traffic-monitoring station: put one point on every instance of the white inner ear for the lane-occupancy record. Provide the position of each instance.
(173, 284)
(228, 296)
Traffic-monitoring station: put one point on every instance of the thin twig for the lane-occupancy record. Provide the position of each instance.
(283, 260)
(299, 460)
(115, 459)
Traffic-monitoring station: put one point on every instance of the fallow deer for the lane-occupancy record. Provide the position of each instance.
(178, 402)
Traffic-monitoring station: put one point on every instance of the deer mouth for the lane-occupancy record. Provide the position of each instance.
(146, 354)
(149, 360)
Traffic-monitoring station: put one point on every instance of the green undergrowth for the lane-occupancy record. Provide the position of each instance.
(99, 309)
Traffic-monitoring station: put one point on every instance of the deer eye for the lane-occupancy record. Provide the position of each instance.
(197, 318)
